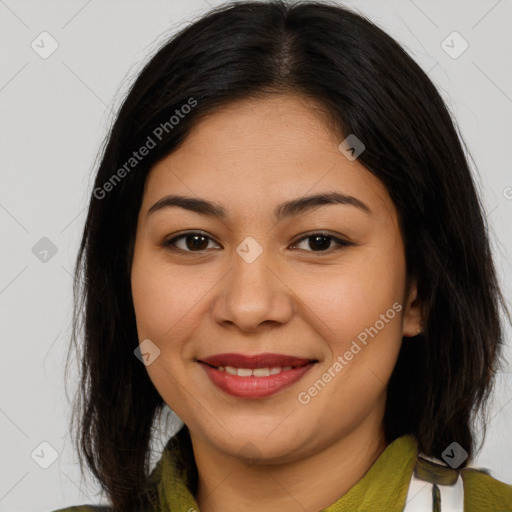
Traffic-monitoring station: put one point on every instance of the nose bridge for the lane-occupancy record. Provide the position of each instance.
(252, 293)
(251, 282)
(251, 266)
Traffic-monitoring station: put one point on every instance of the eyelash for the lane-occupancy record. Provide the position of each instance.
(170, 244)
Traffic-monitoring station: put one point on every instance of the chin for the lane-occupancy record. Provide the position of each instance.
(258, 448)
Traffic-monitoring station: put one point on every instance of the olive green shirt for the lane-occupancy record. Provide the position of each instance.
(383, 488)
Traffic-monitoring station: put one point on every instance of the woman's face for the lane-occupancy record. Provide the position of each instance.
(250, 282)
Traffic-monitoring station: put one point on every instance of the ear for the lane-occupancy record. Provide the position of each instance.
(412, 315)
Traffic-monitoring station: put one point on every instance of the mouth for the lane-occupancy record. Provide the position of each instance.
(256, 376)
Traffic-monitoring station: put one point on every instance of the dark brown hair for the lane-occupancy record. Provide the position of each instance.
(370, 87)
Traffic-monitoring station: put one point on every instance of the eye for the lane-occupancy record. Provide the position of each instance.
(321, 242)
(195, 241)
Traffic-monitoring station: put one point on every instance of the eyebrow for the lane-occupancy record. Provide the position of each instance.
(282, 211)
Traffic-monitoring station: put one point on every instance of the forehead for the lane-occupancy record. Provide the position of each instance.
(258, 152)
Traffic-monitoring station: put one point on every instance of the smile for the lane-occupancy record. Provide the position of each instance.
(253, 377)
(256, 372)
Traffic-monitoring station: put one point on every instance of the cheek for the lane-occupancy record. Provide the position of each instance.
(354, 296)
(164, 314)
(158, 298)
(360, 320)
(152, 303)
(169, 301)
(360, 301)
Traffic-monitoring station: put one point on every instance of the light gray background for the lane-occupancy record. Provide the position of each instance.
(54, 115)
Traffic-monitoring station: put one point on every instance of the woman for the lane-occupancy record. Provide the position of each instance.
(284, 245)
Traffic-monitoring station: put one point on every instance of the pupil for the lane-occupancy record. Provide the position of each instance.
(323, 244)
(197, 243)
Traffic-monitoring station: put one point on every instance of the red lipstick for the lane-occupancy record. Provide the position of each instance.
(255, 376)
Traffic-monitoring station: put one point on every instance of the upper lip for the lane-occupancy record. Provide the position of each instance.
(255, 361)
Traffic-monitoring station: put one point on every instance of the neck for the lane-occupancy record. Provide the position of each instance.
(305, 484)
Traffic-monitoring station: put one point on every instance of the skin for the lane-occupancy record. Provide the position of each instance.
(249, 157)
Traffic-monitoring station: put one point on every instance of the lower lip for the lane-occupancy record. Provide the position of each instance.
(254, 387)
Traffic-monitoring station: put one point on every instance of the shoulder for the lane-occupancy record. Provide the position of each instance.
(482, 492)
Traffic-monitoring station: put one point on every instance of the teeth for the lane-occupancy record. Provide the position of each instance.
(261, 372)
(257, 372)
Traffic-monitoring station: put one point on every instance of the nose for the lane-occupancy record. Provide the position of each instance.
(252, 294)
